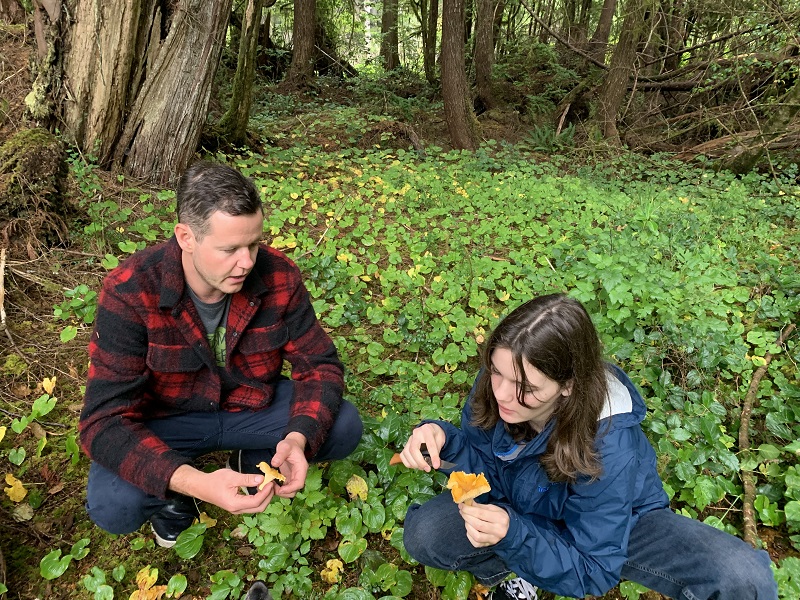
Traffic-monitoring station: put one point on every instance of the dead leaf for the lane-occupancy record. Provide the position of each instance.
(2, 433)
(56, 489)
(23, 512)
(21, 390)
(208, 521)
(332, 573)
(38, 431)
(16, 492)
(49, 384)
(357, 488)
(146, 579)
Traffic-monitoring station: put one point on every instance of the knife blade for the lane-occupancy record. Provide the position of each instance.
(445, 464)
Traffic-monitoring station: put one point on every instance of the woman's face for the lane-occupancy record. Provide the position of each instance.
(540, 394)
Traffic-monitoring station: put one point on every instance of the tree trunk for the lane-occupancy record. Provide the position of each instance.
(138, 81)
(301, 70)
(615, 85)
(233, 125)
(484, 54)
(429, 41)
(741, 160)
(599, 42)
(11, 11)
(461, 122)
(390, 52)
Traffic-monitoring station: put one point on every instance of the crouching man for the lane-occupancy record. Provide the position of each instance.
(190, 340)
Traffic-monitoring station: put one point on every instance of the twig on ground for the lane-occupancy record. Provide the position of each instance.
(3, 326)
(748, 478)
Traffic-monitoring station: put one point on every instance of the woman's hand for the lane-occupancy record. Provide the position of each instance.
(433, 437)
(486, 524)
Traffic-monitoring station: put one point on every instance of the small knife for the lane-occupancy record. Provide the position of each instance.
(444, 464)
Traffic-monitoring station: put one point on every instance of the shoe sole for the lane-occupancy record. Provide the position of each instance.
(164, 543)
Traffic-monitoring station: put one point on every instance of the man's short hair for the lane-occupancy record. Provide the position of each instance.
(208, 187)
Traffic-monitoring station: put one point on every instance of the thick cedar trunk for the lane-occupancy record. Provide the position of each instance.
(615, 84)
(461, 122)
(429, 40)
(390, 52)
(234, 123)
(484, 53)
(11, 11)
(138, 82)
(301, 70)
(599, 41)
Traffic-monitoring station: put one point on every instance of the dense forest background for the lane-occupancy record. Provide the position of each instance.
(429, 165)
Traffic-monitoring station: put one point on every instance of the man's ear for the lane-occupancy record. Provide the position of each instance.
(185, 237)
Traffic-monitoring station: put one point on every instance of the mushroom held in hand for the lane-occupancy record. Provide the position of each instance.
(466, 486)
(269, 474)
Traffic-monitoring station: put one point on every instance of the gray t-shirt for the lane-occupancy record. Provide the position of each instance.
(215, 318)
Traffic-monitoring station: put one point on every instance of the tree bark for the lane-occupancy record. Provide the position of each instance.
(390, 52)
(301, 70)
(742, 159)
(615, 84)
(429, 40)
(138, 81)
(484, 53)
(233, 125)
(599, 42)
(11, 11)
(461, 122)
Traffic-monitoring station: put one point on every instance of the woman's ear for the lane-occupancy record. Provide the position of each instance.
(185, 237)
(566, 389)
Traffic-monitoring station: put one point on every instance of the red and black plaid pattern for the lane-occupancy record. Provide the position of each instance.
(150, 358)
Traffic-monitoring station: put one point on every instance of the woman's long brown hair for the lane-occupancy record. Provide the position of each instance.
(556, 335)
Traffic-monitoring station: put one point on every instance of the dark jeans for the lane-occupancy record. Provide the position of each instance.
(120, 507)
(669, 553)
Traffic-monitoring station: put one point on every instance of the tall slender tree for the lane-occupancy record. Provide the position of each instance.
(461, 122)
(301, 69)
(234, 123)
(484, 53)
(390, 45)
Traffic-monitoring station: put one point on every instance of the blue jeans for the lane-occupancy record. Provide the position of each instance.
(120, 507)
(669, 553)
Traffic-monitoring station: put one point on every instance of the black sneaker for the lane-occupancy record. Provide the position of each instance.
(258, 591)
(514, 589)
(177, 515)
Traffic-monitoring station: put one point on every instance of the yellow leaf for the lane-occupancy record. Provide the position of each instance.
(332, 571)
(146, 577)
(2, 433)
(357, 487)
(16, 492)
(209, 522)
(294, 195)
(49, 384)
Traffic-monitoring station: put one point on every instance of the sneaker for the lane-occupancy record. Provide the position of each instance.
(514, 589)
(177, 515)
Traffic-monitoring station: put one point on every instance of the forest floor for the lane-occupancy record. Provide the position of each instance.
(31, 351)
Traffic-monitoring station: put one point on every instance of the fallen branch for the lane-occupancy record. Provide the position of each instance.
(748, 478)
(3, 326)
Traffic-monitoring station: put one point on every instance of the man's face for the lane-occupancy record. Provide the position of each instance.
(219, 263)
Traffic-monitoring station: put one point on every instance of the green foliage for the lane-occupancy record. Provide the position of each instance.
(690, 276)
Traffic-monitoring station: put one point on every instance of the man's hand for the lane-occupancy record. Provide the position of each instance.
(290, 459)
(222, 488)
(486, 524)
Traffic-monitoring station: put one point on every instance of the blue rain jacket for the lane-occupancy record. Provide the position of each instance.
(569, 539)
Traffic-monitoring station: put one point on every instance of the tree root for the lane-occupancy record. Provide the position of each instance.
(748, 478)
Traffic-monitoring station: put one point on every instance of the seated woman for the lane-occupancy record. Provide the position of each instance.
(576, 502)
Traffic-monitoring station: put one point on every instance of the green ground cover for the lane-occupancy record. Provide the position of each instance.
(691, 276)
